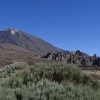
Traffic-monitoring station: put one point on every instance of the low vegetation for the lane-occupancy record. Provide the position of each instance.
(44, 81)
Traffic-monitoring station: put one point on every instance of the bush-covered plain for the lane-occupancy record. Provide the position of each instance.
(44, 81)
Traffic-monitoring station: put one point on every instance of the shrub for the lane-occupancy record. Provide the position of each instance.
(44, 81)
(8, 70)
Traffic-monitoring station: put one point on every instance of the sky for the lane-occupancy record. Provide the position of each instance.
(67, 24)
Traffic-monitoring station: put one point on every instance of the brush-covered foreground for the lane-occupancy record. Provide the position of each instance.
(44, 81)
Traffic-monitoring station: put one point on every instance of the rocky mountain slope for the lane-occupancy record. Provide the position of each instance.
(16, 45)
(22, 39)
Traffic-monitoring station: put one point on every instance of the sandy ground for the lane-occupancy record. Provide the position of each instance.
(91, 72)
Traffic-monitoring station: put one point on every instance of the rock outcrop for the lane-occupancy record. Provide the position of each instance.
(78, 58)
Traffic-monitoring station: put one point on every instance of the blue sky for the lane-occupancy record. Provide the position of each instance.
(67, 24)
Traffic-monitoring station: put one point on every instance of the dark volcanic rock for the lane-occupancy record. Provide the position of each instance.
(59, 56)
(98, 61)
(78, 52)
(84, 61)
(78, 58)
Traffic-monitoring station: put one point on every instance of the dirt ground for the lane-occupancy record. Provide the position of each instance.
(91, 72)
(94, 73)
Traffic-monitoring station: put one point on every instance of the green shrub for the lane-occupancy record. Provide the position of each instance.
(8, 70)
(44, 81)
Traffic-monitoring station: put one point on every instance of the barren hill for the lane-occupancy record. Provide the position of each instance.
(22, 39)
(16, 45)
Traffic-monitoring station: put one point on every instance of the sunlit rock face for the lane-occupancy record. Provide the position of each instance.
(13, 32)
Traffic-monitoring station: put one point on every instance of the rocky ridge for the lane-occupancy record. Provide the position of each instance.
(78, 58)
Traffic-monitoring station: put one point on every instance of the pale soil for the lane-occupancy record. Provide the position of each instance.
(91, 72)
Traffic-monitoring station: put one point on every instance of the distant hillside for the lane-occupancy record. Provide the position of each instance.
(22, 39)
(16, 45)
(67, 52)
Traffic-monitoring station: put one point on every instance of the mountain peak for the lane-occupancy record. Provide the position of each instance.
(27, 41)
(11, 30)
